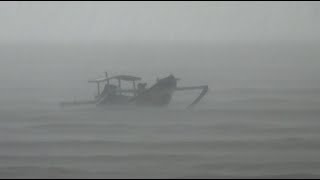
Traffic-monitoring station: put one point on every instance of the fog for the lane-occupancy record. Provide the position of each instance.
(226, 42)
(259, 118)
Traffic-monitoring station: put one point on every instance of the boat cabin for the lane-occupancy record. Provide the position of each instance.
(110, 88)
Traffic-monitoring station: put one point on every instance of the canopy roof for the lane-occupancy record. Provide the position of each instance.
(126, 78)
(119, 77)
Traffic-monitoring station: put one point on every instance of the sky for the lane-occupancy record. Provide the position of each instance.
(70, 22)
(139, 22)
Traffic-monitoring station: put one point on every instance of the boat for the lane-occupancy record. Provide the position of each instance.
(158, 95)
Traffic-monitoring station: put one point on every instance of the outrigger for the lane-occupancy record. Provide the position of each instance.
(159, 94)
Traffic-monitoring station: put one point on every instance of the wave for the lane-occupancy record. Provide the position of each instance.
(58, 172)
(284, 143)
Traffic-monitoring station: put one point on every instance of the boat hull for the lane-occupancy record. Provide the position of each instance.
(160, 94)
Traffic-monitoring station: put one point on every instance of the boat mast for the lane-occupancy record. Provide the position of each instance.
(106, 73)
(134, 88)
(98, 87)
(119, 85)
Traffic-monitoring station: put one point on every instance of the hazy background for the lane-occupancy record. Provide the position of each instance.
(230, 44)
(259, 119)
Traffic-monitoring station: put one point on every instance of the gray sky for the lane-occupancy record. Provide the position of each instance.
(169, 22)
(158, 21)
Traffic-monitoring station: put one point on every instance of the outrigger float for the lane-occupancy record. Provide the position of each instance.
(158, 95)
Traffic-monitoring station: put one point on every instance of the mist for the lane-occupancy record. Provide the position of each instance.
(260, 61)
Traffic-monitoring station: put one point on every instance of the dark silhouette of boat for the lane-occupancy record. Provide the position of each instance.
(158, 95)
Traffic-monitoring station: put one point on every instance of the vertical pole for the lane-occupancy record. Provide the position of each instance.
(134, 88)
(119, 85)
(98, 86)
(106, 73)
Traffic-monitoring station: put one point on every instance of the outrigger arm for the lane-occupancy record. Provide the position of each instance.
(203, 92)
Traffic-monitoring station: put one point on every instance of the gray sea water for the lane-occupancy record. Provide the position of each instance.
(230, 134)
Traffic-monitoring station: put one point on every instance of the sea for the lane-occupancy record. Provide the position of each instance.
(229, 134)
